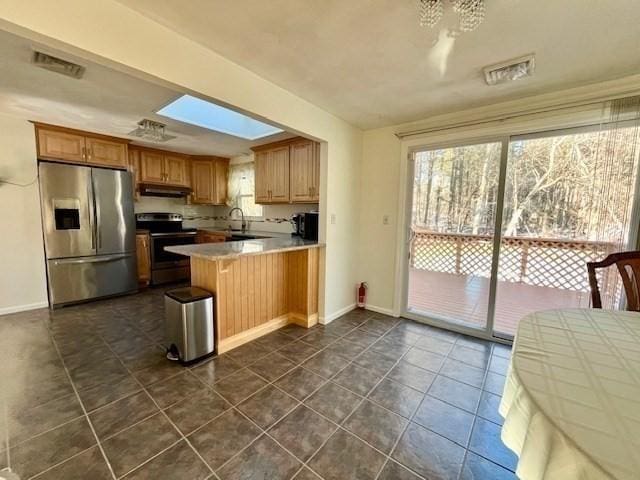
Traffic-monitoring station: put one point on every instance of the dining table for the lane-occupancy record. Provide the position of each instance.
(571, 400)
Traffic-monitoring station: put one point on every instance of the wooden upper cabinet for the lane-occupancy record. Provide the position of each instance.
(151, 167)
(107, 153)
(221, 179)
(279, 175)
(262, 176)
(202, 172)
(288, 172)
(272, 175)
(175, 170)
(304, 172)
(64, 144)
(209, 180)
(58, 145)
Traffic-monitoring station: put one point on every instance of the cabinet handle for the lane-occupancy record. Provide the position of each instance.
(84, 153)
(90, 153)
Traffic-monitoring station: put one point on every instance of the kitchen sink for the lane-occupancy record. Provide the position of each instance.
(235, 237)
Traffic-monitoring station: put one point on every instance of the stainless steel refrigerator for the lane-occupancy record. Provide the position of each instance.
(89, 232)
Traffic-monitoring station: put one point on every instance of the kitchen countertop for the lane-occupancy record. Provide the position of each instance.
(233, 250)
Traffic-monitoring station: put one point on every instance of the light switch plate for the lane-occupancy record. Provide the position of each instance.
(333, 219)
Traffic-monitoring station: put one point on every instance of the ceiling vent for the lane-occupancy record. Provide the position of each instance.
(57, 65)
(510, 70)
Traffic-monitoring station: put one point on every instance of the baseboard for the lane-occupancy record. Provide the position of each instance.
(384, 311)
(230, 343)
(23, 308)
(306, 321)
(330, 318)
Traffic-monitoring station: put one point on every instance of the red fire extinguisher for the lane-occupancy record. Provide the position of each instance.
(362, 294)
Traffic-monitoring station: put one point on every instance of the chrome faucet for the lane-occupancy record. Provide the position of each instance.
(244, 224)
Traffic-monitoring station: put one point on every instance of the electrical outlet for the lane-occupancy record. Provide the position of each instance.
(333, 219)
(385, 219)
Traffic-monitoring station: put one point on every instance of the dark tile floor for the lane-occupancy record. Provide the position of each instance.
(87, 393)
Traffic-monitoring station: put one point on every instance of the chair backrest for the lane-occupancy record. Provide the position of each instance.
(628, 264)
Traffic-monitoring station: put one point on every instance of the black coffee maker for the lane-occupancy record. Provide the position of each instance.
(306, 225)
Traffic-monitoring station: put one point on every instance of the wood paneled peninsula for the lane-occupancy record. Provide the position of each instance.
(260, 285)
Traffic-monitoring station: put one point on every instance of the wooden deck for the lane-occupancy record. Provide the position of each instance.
(464, 298)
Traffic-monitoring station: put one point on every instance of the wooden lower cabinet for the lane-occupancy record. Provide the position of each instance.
(204, 236)
(143, 254)
(257, 294)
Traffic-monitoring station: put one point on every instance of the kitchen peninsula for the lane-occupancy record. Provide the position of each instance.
(260, 285)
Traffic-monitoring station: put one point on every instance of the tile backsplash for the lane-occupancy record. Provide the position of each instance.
(275, 218)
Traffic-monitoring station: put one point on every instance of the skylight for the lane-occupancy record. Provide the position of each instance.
(205, 114)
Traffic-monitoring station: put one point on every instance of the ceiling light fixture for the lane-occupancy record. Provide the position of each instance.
(152, 131)
(510, 70)
(470, 13)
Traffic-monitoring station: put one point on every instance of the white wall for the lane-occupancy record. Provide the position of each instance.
(22, 278)
(112, 34)
(384, 168)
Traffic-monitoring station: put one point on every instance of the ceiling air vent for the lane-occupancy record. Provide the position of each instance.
(510, 70)
(55, 64)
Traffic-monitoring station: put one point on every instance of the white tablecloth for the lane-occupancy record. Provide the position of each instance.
(571, 400)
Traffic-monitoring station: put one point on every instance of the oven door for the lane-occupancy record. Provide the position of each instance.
(160, 258)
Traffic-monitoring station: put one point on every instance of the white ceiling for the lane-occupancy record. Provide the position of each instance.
(369, 62)
(103, 101)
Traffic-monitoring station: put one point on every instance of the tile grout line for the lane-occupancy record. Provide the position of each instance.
(299, 403)
(158, 407)
(73, 386)
(339, 425)
(475, 417)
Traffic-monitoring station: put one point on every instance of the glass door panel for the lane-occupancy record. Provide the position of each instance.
(568, 200)
(453, 216)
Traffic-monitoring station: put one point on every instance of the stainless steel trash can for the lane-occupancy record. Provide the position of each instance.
(189, 323)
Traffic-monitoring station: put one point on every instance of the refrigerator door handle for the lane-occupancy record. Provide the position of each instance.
(96, 209)
(78, 261)
(92, 213)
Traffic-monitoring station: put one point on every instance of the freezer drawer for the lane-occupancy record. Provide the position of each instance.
(77, 279)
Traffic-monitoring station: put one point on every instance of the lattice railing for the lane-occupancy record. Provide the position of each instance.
(535, 261)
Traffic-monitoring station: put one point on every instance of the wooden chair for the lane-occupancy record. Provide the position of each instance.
(628, 264)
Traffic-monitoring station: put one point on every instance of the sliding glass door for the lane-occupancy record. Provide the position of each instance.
(568, 200)
(453, 221)
(504, 228)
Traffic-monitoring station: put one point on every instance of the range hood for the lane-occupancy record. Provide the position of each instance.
(153, 190)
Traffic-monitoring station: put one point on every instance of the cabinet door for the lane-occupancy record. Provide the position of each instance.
(151, 167)
(61, 146)
(107, 153)
(279, 175)
(134, 168)
(316, 173)
(202, 181)
(221, 177)
(262, 161)
(302, 166)
(175, 170)
(143, 258)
